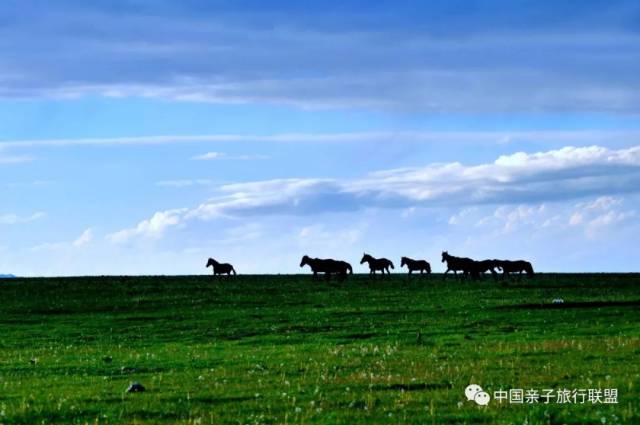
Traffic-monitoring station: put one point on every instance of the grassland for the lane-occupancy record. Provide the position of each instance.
(287, 349)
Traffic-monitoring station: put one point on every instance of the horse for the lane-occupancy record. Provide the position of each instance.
(417, 265)
(381, 264)
(481, 267)
(220, 268)
(517, 266)
(463, 264)
(327, 266)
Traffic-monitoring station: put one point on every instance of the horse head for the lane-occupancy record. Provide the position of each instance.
(445, 255)
(305, 260)
(365, 257)
(210, 262)
(403, 261)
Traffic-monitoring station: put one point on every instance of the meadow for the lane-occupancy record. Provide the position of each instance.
(293, 350)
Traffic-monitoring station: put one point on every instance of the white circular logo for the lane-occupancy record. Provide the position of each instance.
(474, 392)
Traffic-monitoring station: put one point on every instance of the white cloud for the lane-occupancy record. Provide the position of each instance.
(521, 178)
(606, 220)
(458, 217)
(208, 156)
(600, 214)
(84, 238)
(16, 219)
(152, 228)
(512, 218)
(601, 203)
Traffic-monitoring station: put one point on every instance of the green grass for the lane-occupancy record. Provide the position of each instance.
(287, 349)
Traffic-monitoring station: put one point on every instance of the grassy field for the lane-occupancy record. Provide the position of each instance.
(287, 349)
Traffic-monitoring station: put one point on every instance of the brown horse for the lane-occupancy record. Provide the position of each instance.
(220, 268)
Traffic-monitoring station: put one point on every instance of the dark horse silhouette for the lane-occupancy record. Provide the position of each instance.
(463, 264)
(381, 264)
(327, 266)
(481, 267)
(415, 265)
(221, 268)
(517, 266)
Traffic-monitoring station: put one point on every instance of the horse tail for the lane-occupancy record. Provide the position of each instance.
(428, 268)
(233, 270)
(391, 264)
(349, 268)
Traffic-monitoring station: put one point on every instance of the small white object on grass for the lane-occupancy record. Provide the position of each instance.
(558, 301)
(136, 387)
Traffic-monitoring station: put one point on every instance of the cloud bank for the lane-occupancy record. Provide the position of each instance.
(433, 56)
(519, 178)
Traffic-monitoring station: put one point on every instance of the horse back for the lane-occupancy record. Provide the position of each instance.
(224, 268)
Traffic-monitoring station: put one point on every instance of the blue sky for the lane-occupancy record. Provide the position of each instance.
(142, 137)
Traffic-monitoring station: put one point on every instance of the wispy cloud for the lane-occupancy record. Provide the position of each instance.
(85, 238)
(27, 183)
(14, 159)
(185, 183)
(491, 137)
(17, 219)
(209, 156)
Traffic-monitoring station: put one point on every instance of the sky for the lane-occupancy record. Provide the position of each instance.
(142, 137)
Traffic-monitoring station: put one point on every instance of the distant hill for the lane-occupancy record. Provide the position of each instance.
(6, 276)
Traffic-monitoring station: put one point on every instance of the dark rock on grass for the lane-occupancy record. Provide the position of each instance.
(136, 387)
(128, 369)
(107, 359)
